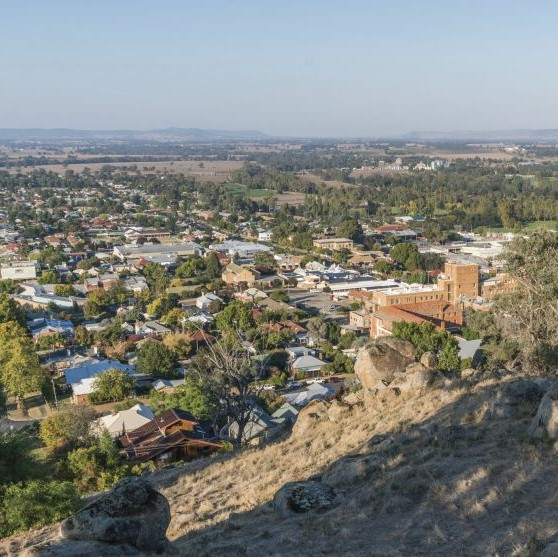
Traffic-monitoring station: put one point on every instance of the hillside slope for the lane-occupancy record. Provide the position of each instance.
(439, 470)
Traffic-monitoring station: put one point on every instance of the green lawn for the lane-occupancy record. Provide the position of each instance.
(549, 224)
(239, 189)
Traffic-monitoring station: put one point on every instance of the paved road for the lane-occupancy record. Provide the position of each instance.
(13, 425)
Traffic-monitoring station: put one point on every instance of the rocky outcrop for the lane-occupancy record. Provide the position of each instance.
(517, 398)
(545, 421)
(302, 497)
(429, 360)
(380, 362)
(132, 513)
(67, 548)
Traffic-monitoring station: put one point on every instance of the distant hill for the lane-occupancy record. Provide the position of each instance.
(521, 135)
(166, 134)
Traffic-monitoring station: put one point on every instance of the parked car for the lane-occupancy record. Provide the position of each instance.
(316, 380)
(269, 387)
(294, 384)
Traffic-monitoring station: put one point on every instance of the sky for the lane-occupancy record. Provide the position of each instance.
(310, 68)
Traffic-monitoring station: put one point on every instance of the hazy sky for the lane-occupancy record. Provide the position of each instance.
(285, 67)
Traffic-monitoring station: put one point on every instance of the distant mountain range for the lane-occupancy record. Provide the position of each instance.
(166, 134)
(198, 135)
(519, 135)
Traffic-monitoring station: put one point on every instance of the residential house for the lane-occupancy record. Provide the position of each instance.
(126, 420)
(295, 352)
(261, 426)
(166, 385)
(83, 372)
(315, 391)
(44, 327)
(308, 365)
(298, 332)
(250, 295)
(206, 301)
(151, 328)
(135, 284)
(35, 296)
(172, 435)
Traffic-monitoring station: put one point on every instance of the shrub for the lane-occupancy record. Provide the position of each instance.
(36, 504)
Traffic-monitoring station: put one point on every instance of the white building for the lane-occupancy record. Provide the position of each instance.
(245, 250)
(19, 270)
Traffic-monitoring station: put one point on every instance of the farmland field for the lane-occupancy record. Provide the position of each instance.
(205, 171)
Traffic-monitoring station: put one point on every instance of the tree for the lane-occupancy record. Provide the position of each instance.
(154, 358)
(68, 428)
(20, 372)
(36, 504)
(87, 264)
(350, 228)
(163, 304)
(195, 266)
(236, 316)
(191, 397)
(265, 262)
(213, 269)
(317, 327)
(17, 462)
(448, 355)
(64, 290)
(49, 277)
(174, 317)
(9, 286)
(279, 296)
(383, 267)
(97, 302)
(528, 317)
(96, 467)
(426, 338)
(156, 277)
(180, 344)
(10, 310)
(111, 385)
(225, 371)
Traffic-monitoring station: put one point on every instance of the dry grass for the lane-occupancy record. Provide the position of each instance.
(212, 171)
(420, 473)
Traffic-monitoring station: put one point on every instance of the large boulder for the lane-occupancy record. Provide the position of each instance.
(351, 469)
(545, 421)
(132, 513)
(380, 362)
(417, 376)
(302, 497)
(517, 398)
